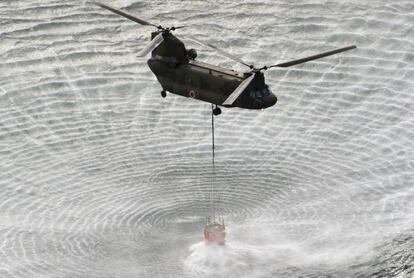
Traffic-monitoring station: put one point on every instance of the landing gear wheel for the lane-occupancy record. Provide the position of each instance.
(163, 93)
(216, 111)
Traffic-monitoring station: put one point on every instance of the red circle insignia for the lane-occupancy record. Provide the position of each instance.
(192, 93)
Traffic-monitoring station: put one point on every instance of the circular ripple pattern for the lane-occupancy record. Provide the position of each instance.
(100, 177)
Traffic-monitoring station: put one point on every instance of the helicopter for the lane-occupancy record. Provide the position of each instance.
(178, 71)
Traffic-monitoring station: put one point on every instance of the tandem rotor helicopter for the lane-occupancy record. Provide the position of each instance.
(179, 73)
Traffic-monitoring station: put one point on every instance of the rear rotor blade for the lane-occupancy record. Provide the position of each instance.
(152, 45)
(125, 14)
(310, 58)
(238, 91)
(222, 52)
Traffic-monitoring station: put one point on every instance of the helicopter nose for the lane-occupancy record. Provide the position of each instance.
(270, 100)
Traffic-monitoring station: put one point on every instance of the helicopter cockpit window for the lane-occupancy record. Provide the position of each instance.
(259, 94)
(265, 91)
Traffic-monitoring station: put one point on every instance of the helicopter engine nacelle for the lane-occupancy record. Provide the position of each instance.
(192, 53)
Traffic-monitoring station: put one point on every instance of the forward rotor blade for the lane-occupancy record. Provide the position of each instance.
(238, 91)
(202, 21)
(222, 52)
(125, 14)
(152, 45)
(314, 57)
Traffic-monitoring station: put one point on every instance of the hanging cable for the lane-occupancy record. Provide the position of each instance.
(212, 201)
(212, 132)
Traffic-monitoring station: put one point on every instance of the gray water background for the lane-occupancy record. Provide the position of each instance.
(101, 177)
